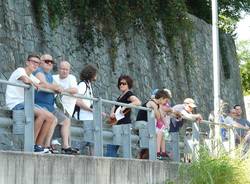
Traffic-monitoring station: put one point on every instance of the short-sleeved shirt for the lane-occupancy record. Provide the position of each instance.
(244, 123)
(68, 82)
(15, 95)
(85, 89)
(45, 99)
(125, 99)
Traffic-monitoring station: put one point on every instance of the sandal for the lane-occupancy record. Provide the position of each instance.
(70, 151)
(53, 151)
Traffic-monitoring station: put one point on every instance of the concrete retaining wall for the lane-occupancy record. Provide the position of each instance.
(27, 168)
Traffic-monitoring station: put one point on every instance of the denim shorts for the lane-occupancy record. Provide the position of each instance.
(21, 107)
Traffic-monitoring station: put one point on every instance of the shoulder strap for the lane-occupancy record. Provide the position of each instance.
(155, 103)
(87, 86)
(77, 108)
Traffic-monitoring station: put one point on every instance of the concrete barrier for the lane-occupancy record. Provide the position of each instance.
(28, 168)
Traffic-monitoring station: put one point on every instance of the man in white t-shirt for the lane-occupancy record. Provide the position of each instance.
(15, 100)
(69, 84)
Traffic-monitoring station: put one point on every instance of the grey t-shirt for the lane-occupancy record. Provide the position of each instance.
(186, 115)
(244, 123)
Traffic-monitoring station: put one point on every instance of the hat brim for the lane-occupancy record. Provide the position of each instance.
(192, 105)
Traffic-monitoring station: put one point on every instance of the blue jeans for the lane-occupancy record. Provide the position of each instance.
(112, 150)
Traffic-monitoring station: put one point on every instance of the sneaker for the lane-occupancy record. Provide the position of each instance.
(159, 156)
(40, 149)
(164, 156)
(55, 142)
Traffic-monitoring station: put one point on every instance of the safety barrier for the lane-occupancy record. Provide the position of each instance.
(92, 131)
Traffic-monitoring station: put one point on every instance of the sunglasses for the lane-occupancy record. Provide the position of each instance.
(49, 62)
(35, 62)
(123, 83)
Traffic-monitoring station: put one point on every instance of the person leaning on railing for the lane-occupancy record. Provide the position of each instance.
(47, 100)
(15, 100)
(182, 112)
(125, 83)
(241, 133)
(160, 98)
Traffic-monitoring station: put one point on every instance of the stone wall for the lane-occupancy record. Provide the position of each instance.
(20, 36)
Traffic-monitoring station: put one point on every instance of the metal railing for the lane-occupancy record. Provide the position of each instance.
(97, 134)
(29, 114)
(192, 143)
(97, 131)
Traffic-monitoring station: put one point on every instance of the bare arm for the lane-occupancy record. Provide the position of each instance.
(134, 101)
(155, 108)
(72, 90)
(47, 85)
(82, 105)
(27, 80)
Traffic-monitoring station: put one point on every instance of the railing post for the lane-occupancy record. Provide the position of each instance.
(231, 141)
(126, 141)
(152, 135)
(97, 122)
(29, 123)
(196, 139)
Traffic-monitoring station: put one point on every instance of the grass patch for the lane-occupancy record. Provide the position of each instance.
(220, 170)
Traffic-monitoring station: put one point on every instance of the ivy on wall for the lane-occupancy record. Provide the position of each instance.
(116, 17)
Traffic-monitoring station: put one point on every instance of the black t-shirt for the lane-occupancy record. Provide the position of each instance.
(124, 99)
(142, 114)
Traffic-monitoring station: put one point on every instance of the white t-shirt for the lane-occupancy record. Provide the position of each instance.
(15, 95)
(69, 82)
(86, 90)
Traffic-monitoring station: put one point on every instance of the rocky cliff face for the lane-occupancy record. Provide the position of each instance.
(150, 65)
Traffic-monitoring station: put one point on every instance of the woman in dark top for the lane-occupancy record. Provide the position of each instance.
(125, 83)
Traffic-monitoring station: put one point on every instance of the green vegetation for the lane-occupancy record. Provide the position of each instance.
(221, 170)
(243, 53)
(229, 12)
(113, 19)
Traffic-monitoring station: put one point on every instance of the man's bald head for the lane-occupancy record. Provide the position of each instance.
(64, 69)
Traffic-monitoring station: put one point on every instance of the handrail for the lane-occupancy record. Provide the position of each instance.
(96, 99)
(97, 122)
(14, 84)
(224, 125)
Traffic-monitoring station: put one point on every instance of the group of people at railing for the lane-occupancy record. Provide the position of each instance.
(37, 72)
(232, 116)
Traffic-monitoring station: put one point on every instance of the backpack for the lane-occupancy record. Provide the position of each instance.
(77, 108)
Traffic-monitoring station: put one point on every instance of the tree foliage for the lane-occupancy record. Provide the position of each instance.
(229, 12)
(243, 52)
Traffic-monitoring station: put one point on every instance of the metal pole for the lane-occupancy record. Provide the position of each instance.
(97, 122)
(29, 123)
(152, 135)
(216, 71)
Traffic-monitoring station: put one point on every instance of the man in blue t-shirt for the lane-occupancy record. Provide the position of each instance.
(47, 100)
